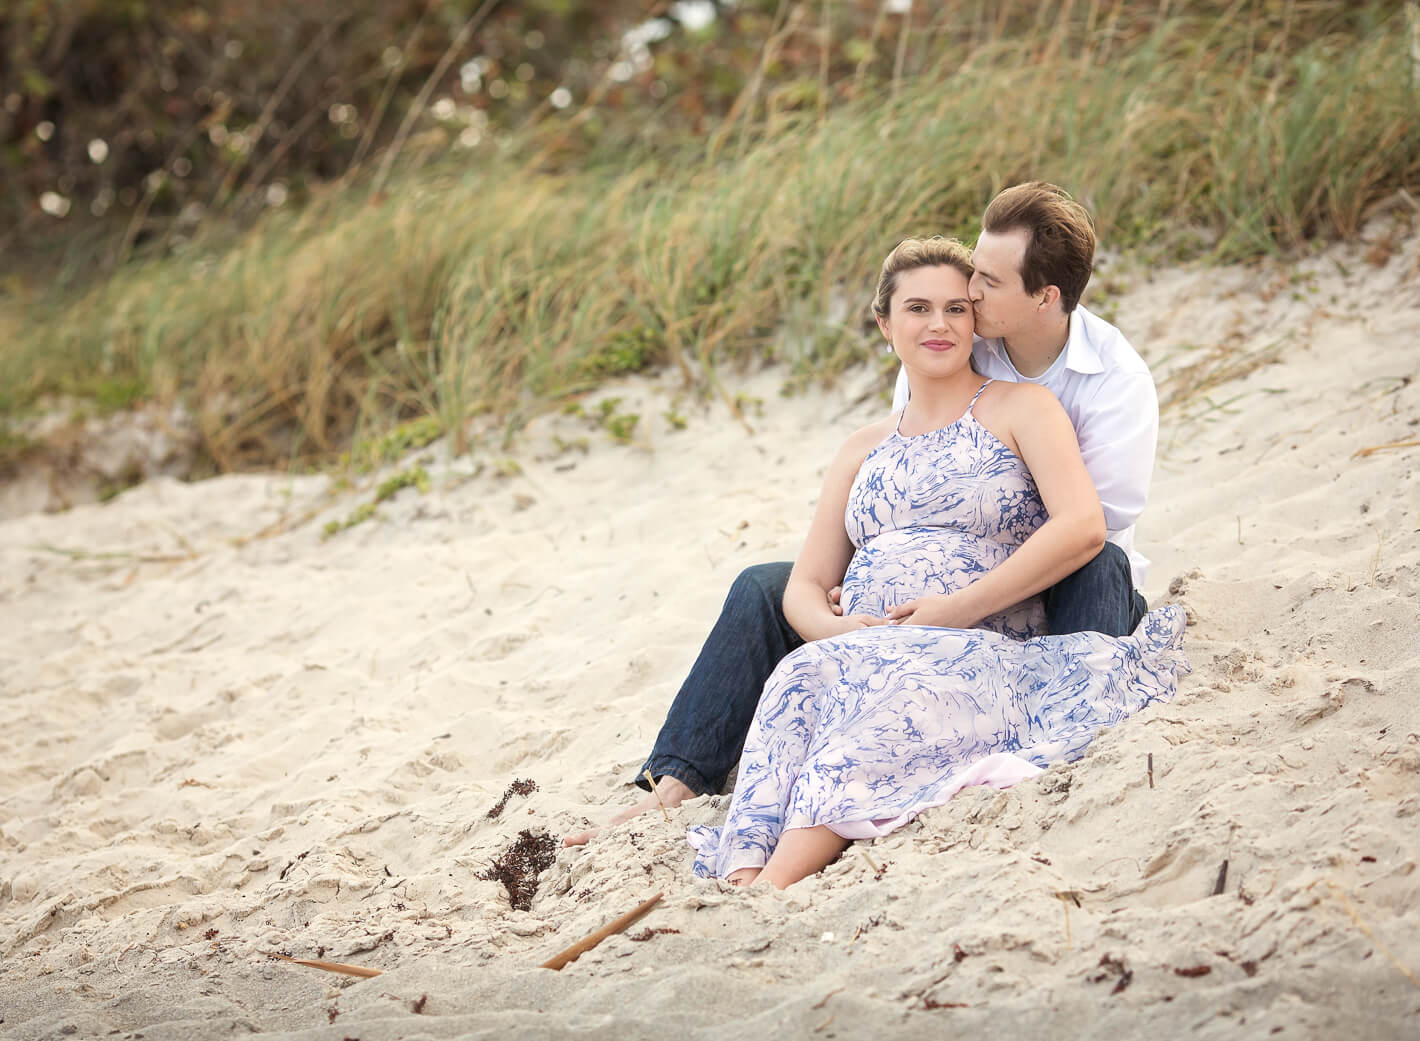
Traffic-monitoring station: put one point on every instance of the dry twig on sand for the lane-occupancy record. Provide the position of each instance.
(657, 793)
(1361, 453)
(581, 947)
(328, 966)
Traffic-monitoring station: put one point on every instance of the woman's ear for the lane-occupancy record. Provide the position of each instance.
(884, 327)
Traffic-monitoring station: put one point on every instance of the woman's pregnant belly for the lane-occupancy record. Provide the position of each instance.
(902, 565)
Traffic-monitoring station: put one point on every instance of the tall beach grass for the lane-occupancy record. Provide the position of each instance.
(498, 283)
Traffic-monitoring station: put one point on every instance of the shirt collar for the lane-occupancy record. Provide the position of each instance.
(1081, 353)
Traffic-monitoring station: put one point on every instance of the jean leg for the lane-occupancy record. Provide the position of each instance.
(1098, 598)
(704, 732)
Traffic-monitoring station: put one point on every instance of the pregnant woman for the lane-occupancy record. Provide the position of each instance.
(941, 523)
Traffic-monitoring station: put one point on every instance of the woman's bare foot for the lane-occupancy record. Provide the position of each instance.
(673, 793)
(802, 852)
(745, 876)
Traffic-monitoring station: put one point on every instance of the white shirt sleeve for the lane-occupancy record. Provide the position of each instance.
(899, 394)
(1118, 433)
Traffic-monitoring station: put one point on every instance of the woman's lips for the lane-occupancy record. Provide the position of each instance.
(938, 345)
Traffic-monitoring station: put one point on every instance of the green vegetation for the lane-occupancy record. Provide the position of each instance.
(414, 477)
(621, 427)
(397, 443)
(507, 282)
(359, 515)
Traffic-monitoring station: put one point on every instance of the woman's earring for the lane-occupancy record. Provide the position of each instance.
(888, 348)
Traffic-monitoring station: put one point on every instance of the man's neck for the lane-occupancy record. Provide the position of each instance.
(1033, 352)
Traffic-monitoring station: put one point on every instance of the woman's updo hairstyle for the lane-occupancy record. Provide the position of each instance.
(909, 255)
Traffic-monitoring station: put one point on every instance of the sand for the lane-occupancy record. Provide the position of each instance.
(228, 735)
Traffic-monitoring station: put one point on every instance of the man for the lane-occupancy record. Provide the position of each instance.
(1032, 262)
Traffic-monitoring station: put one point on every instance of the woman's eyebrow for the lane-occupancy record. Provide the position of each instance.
(924, 300)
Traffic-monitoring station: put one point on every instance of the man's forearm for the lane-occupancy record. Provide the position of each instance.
(806, 607)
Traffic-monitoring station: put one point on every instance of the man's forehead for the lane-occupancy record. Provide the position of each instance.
(999, 253)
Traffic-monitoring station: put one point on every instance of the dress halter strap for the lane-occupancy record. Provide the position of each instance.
(970, 405)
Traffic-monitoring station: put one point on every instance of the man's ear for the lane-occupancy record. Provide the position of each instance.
(1049, 296)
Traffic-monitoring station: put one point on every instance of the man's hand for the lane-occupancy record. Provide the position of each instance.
(851, 623)
(861, 621)
(944, 610)
(835, 600)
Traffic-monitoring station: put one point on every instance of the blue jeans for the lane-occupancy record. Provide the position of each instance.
(704, 732)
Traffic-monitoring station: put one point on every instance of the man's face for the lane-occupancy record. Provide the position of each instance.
(998, 296)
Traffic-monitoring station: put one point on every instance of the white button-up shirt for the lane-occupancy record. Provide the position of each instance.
(1110, 398)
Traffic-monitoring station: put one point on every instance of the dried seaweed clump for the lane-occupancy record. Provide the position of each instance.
(525, 786)
(529, 856)
(646, 934)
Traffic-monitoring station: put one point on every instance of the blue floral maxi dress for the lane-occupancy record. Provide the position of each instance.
(862, 732)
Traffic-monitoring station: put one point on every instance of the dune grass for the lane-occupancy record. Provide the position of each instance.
(494, 285)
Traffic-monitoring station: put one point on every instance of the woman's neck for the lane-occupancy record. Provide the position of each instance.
(936, 403)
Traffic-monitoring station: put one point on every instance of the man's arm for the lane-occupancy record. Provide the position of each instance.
(1034, 425)
(1118, 430)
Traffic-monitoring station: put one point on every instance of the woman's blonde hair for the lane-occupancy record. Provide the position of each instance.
(909, 255)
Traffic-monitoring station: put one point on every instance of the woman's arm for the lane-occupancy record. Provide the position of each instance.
(1069, 539)
(824, 558)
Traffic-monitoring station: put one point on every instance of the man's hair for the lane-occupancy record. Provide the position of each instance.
(909, 255)
(1061, 250)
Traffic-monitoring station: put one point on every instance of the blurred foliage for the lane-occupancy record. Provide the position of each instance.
(136, 119)
(465, 220)
(129, 122)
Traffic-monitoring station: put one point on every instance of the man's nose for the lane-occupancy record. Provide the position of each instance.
(973, 289)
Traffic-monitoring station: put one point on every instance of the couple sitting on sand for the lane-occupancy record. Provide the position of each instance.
(905, 656)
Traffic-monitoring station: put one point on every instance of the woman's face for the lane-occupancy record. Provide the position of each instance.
(929, 322)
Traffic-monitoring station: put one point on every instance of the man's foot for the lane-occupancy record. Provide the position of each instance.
(673, 793)
(745, 876)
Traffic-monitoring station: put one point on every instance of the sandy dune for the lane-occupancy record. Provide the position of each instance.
(227, 735)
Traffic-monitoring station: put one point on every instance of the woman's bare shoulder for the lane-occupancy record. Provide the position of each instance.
(1008, 409)
(863, 440)
(868, 437)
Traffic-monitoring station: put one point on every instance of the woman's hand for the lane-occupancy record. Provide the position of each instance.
(943, 610)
